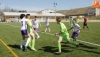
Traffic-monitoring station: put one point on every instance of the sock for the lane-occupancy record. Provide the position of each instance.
(37, 34)
(74, 39)
(45, 29)
(73, 43)
(49, 29)
(22, 43)
(28, 40)
(59, 47)
(30, 44)
(33, 44)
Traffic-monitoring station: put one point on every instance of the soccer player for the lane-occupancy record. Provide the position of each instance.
(63, 35)
(77, 20)
(85, 23)
(71, 21)
(36, 24)
(24, 31)
(76, 28)
(47, 24)
(31, 31)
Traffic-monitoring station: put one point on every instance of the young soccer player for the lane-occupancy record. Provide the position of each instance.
(71, 21)
(63, 34)
(76, 28)
(24, 31)
(31, 31)
(36, 24)
(85, 23)
(47, 24)
(77, 20)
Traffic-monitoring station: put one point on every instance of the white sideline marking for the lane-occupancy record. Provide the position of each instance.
(53, 35)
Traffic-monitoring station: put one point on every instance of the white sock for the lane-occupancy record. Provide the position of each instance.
(37, 34)
(49, 29)
(22, 43)
(27, 42)
(45, 29)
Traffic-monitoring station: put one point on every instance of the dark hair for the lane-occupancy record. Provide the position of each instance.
(70, 17)
(74, 20)
(35, 16)
(58, 19)
(27, 15)
(22, 15)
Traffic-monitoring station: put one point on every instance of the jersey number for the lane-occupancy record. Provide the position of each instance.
(21, 23)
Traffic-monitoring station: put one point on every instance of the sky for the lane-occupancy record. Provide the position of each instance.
(36, 5)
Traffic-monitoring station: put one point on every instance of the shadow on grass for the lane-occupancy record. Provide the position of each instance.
(80, 45)
(14, 46)
(51, 49)
(90, 51)
(85, 46)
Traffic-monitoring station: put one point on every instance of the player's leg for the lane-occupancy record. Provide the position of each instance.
(69, 40)
(59, 45)
(75, 35)
(36, 29)
(28, 40)
(87, 26)
(22, 42)
(33, 42)
(46, 28)
(23, 39)
(83, 25)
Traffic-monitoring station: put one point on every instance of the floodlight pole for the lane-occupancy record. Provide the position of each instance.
(55, 4)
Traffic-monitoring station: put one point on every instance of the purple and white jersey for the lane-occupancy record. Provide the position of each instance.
(23, 24)
(36, 23)
(47, 21)
(76, 28)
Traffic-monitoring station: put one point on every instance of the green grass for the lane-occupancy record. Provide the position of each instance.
(47, 44)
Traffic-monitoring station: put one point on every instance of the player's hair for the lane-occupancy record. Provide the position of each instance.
(35, 17)
(22, 15)
(71, 17)
(74, 20)
(58, 19)
(27, 15)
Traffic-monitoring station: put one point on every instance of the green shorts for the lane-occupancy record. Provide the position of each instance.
(31, 32)
(65, 36)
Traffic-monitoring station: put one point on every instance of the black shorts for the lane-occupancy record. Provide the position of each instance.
(85, 24)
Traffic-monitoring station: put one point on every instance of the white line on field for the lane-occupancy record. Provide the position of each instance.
(53, 35)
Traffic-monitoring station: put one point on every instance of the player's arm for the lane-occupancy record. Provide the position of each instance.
(79, 28)
(29, 24)
(58, 33)
(70, 28)
(61, 31)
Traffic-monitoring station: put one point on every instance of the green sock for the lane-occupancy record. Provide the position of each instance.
(73, 43)
(33, 44)
(59, 46)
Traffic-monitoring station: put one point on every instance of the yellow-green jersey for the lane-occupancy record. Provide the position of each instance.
(30, 30)
(77, 20)
(64, 33)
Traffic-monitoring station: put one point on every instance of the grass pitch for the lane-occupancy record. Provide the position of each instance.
(47, 44)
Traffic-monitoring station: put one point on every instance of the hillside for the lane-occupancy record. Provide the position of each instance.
(74, 11)
(79, 11)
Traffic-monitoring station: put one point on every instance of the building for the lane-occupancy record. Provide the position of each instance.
(93, 11)
(41, 15)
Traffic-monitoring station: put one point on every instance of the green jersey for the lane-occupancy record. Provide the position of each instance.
(64, 34)
(28, 27)
(71, 22)
(77, 21)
